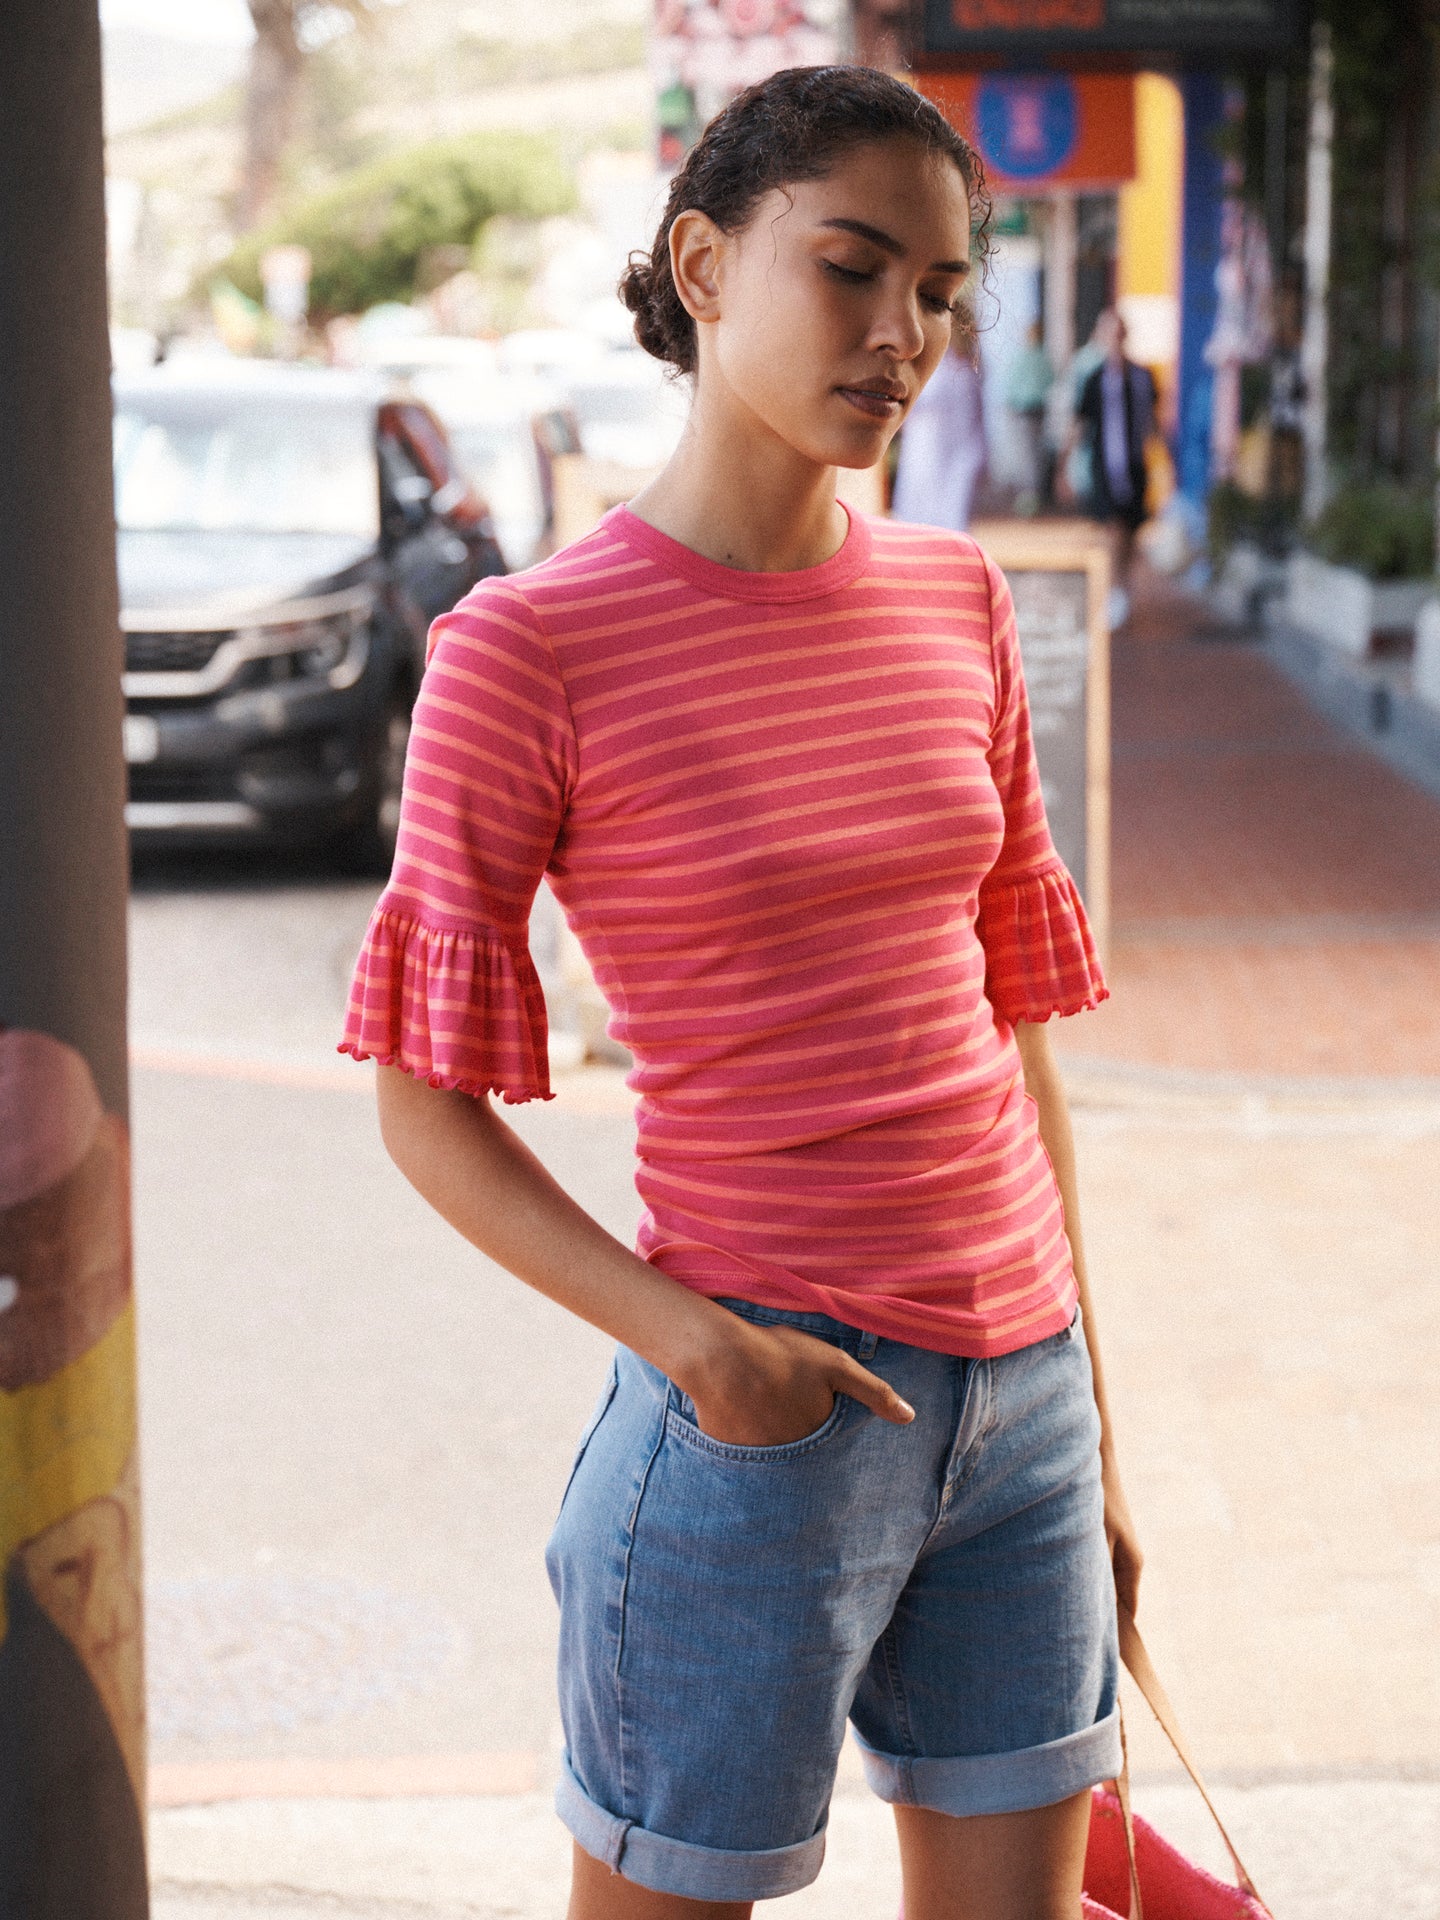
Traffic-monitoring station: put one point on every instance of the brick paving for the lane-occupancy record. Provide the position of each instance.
(1276, 903)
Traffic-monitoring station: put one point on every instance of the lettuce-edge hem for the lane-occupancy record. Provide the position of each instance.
(511, 1095)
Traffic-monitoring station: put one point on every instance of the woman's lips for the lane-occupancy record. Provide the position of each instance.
(876, 406)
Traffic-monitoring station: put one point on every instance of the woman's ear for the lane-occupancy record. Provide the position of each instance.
(696, 246)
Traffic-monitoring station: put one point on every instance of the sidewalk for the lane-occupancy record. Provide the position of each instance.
(1258, 1119)
(1276, 889)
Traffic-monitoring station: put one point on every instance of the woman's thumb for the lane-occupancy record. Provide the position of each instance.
(873, 1392)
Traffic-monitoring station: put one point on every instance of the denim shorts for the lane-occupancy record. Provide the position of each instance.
(724, 1610)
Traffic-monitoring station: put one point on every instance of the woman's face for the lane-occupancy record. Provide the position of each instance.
(822, 318)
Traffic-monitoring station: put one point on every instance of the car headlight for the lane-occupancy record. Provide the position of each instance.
(333, 647)
(328, 644)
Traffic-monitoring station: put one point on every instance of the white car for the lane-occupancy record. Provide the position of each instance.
(631, 413)
(504, 431)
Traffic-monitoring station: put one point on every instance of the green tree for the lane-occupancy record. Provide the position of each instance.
(284, 31)
(369, 236)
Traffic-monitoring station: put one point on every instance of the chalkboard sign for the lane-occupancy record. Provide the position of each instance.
(1059, 578)
(1045, 30)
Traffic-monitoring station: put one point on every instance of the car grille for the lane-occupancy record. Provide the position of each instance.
(171, 652)
(181, 783)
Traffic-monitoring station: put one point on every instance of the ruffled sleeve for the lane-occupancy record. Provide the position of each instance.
(451, 1006)
(1040, 956)
(445, 987)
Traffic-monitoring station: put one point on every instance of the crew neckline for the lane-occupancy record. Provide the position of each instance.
(735, 583)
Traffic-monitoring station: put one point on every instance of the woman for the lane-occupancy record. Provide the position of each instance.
(943, 454)
(852, 1458)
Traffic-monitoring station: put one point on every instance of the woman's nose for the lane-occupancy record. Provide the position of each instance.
(898, 328)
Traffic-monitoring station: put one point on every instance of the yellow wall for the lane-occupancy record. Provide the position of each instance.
(1147, 280)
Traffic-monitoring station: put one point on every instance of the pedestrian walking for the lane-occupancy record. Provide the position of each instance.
(1073, 465)
(1027, 393)
(943, 454)
(853, 1458)
(1115, 417)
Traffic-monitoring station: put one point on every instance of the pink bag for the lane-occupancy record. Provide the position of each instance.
(1131, 1871)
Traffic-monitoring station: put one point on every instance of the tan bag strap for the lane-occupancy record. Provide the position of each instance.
(1122, 1794)
(1142, 1672)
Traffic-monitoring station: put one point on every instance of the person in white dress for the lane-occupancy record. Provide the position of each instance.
(942, 448)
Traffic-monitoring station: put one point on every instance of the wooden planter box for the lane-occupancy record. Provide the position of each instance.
(1347, 608)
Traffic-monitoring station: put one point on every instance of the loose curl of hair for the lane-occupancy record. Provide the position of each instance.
(793, 126)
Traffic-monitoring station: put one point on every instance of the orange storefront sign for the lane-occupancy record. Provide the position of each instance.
(1038, 131)
(1019, 16)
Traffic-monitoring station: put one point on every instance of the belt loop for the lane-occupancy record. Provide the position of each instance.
(868, 1343)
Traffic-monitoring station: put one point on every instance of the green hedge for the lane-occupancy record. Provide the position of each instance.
(1234, 515)
(368, 236)
(1386, 531)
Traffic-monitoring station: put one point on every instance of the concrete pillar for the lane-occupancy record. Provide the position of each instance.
(1060, 341)
(1315, 333)
(71, 1698)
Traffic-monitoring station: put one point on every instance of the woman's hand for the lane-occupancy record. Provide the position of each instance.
(769, 1386)
(1125, 1555)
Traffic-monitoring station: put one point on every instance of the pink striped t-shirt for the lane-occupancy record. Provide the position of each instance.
(795, 822)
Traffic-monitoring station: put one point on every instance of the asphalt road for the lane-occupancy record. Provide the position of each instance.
(355, 1429)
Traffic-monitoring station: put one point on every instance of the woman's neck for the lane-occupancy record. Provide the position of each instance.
(744, 498)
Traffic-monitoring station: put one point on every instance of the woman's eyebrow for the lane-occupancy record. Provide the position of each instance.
(887, 243)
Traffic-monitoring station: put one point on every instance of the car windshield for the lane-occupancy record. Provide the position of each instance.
(238, 463)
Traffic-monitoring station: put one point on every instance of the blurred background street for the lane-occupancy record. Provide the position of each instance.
(366, 351)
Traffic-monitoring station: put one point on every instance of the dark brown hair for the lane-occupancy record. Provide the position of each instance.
(793, 126)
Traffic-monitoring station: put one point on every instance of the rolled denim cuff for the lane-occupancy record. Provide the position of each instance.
(676, 1867)
(998, 1782)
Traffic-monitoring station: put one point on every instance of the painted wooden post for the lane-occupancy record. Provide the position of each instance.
(72, 1752)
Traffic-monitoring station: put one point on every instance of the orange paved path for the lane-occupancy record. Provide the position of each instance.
(1276, 904)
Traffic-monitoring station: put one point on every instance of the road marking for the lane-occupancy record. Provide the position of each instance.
(590, 1089)
(259, 1072)
(391, 1777)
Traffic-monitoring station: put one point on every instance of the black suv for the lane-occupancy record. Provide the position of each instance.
(286, 536)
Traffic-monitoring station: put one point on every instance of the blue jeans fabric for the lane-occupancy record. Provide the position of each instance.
(723, 1610)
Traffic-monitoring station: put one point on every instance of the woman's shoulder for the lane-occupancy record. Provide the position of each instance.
(909, 542)
(513, 610)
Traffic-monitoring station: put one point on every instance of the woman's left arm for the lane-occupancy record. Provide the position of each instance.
(1047, 1090)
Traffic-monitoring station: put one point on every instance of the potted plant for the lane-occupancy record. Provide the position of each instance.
(1366, 568)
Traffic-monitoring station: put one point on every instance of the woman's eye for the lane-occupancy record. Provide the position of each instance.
(850, 274)
(937, 304)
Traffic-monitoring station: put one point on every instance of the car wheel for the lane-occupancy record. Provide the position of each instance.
(370, 845)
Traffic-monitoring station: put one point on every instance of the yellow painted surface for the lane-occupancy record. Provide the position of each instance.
(1150, 205)
(65, 1441)
(1147, 277)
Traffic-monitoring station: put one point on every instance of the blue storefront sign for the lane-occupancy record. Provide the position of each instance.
(1027, 123)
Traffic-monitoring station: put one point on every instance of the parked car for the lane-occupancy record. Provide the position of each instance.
(286, 536)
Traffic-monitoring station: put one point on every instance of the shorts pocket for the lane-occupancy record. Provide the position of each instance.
(602, 1407)
(680, 1425)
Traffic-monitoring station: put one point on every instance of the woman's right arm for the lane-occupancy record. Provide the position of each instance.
(751, 1386)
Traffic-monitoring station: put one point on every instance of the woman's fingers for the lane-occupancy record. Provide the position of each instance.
(871, 1391)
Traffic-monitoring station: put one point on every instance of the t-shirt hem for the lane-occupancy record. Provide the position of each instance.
(726, 1283)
